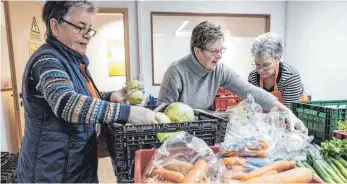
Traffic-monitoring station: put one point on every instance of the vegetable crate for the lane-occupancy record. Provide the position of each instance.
(222, 91)
(142, 158)
(123, 141)
(223, 102)
(9, 163)
(321, 117)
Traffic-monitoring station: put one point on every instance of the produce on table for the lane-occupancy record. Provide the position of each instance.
(180, 112)
(133, 85)
(296, 175)
(342, 125)
(331, 170)
(334, 147)
(247, 147)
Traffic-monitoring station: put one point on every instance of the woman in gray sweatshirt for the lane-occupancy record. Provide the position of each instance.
(194, 79)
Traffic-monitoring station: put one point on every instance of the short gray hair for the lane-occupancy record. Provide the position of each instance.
(204, 33)
(59, 9)
(268, 45)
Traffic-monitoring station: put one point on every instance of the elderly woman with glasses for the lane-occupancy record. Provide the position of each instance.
(194, 79)
(278, 78)
(62, 103)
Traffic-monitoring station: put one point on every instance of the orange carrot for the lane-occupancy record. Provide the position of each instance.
(231, 181)
(179, 166)
(277, 166)
(168, 175)
(150, 180)
(197, 173)
(296, 175)
(235, 175)
(239, 168)
(270, 172)
(229, 161)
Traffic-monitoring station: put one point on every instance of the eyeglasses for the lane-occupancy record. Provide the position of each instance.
(265, 67)
(84, 31)
(215, 52)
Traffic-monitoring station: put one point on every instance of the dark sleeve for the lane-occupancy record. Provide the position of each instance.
(54, 84)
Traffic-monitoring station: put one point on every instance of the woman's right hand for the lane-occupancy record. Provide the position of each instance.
(140, 115)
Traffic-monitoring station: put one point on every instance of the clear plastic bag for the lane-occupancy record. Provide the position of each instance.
(184, 158)
(252, 133)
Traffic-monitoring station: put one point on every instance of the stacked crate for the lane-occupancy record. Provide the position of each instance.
(224, 99)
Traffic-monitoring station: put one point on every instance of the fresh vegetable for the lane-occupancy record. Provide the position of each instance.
(162, 118)
(198, 172)
(133, 85)
(134, 96)
(335, 147)
(342, 169)
(307, 165)
(296, 175)
(321, 167)
(338, 173)
(180, 112)
(277, 166)
(179, 166)
(168, 175)
(230, 161)
(342, 125)
(235, 175)
(270, 173)
(343, 161)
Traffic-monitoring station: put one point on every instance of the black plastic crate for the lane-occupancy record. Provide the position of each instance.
(125, 140)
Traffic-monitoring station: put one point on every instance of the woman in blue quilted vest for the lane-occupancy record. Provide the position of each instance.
(62, 104)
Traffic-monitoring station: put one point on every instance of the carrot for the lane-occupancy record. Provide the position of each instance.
(229, 161)
(235, 175)
(239, 168)
(296, 175)
(179, 166)
(150, 180)
(249, 153)
(168, 175)
(270, 172)
(277, 166)
(197, 173)
(231, 181)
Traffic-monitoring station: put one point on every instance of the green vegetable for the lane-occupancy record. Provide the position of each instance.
(180, 112)
(319, 167)
(335, 147)
(134, 96)
(133, 85)
(299, 163)
(163, 136)
(330, 171)
(342, 169)
(338, 173)
(307, 165)
(162, 118)
(342, 125)
(343, 161)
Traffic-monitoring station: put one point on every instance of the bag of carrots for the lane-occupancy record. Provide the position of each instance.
(184, 158)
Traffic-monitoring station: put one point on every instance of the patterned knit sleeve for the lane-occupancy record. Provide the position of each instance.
(106, 95)
(53, 83)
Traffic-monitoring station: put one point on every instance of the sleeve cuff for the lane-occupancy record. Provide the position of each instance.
(124, 114)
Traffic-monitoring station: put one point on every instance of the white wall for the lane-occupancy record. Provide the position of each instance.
(275, 8)
(316, 46)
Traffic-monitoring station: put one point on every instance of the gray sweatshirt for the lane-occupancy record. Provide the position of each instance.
(187, 81)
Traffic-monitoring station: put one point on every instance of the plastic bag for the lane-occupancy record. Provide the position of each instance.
(252, 133)
(184, 158)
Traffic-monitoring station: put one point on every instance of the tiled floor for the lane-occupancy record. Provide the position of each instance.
(105, 171)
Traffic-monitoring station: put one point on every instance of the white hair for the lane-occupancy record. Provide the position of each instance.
(267, 45)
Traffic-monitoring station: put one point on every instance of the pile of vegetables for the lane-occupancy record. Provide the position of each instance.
(328, 163)
(342, 125)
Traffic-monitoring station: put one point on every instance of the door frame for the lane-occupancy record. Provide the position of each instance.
(124, 11)
(12, 69)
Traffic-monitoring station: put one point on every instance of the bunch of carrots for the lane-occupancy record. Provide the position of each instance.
(282, 171)
(177, 171)
(247, 148)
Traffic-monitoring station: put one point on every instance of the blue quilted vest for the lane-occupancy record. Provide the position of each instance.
(54, 150)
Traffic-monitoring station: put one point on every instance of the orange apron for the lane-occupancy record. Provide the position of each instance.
(277, 93)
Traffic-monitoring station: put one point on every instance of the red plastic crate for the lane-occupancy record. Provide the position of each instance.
(223, 102)
(340, 134)
(222, 91)
(142, 157)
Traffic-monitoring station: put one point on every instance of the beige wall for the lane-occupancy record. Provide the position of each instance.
(21, 15)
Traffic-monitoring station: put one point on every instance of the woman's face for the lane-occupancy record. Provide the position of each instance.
(211, 54)
(72, 31)
(265, 66)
